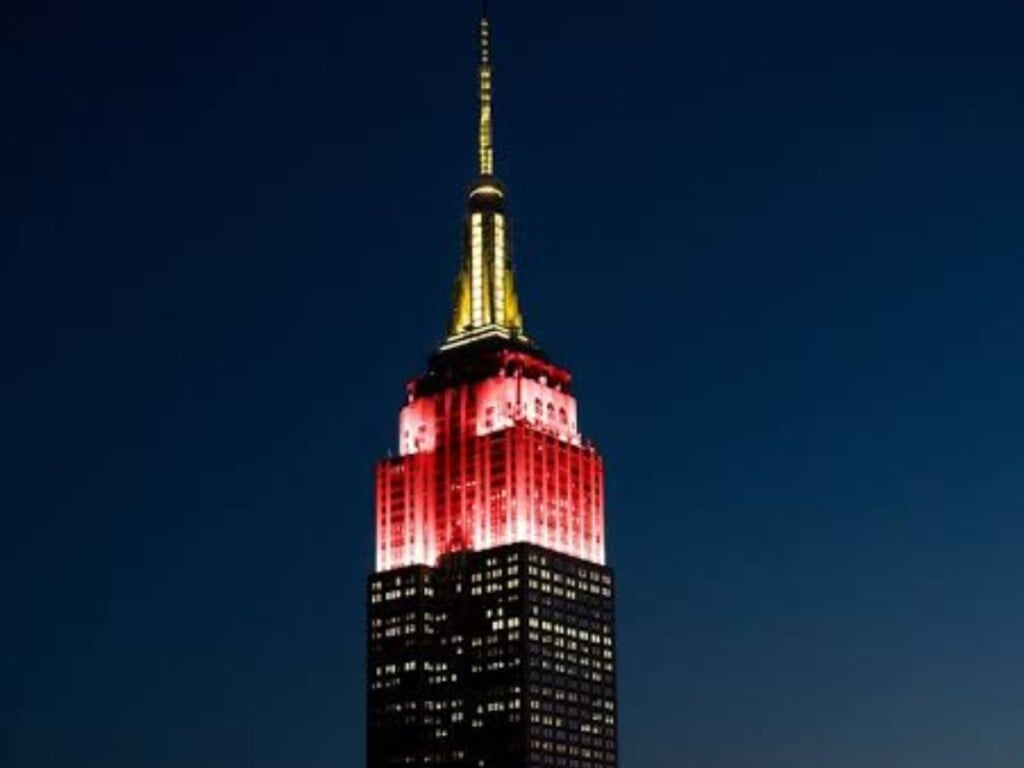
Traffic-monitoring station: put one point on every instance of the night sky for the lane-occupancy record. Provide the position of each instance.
(780, 246)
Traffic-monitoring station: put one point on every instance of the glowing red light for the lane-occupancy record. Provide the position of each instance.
(487, 463)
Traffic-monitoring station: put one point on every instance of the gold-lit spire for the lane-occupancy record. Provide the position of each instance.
(485, 303)
(485, 144)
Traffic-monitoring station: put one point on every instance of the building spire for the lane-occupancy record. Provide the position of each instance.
(486, 304)
(485, 144)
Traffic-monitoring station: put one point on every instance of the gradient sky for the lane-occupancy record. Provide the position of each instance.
(781, 247)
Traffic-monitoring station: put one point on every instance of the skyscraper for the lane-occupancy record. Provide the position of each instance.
(491, 635)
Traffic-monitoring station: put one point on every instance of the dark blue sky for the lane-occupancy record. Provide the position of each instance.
(780, 246)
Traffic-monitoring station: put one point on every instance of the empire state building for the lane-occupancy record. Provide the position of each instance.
(491, 610)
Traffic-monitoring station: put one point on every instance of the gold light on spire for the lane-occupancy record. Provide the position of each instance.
(485, 297)
(486, 137)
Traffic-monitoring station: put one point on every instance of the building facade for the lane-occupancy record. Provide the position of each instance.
(491, 621)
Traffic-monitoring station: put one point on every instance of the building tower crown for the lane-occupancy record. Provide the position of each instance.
(490, 451)
(485, 301)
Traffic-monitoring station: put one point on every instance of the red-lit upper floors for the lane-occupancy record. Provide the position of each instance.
(487, 461)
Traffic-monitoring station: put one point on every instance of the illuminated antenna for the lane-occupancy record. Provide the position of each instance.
(485, 304)
(485, 147)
